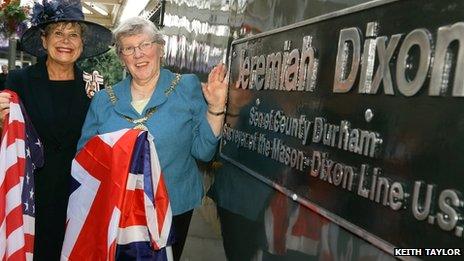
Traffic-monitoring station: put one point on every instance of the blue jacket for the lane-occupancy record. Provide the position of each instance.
(179, 126)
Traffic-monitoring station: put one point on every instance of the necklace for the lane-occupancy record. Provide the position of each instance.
(140, 122)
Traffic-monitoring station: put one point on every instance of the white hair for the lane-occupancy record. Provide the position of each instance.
(136, 25)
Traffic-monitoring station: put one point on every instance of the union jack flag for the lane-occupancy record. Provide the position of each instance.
(21, 153)
(119, 206)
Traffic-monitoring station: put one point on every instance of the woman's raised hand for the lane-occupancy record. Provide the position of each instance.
(215, 91)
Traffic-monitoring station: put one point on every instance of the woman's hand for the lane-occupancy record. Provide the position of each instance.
(4, 105)
(215, 91)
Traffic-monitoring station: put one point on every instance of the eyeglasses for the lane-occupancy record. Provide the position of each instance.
(145, 46)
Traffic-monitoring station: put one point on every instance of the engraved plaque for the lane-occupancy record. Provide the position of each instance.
(358, 114)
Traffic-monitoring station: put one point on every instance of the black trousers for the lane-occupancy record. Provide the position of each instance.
(181, 226)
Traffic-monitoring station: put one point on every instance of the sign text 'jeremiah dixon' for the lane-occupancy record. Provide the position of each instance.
(297, 71)
(363, 108)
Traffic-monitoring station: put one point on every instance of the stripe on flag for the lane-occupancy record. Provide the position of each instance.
(21, 153)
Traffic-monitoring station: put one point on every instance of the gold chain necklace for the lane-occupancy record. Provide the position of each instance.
(139, 123)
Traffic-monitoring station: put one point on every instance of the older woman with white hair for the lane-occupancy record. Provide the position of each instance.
(184, 118)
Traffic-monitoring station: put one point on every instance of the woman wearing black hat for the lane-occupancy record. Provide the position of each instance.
(53, 93)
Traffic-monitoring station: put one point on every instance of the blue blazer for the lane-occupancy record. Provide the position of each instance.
(179, 126)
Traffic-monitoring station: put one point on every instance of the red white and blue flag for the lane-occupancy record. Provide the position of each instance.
(295, 227)
(119, 206)
(21, 153)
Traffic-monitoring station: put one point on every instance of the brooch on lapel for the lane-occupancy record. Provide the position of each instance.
(92, 83)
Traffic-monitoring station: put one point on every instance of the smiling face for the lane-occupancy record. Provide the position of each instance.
(63, 42)
(143, 65)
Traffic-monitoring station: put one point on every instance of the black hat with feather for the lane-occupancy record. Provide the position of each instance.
(96, 38)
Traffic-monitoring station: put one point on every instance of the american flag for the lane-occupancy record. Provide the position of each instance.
(21, 153)
(119, 207)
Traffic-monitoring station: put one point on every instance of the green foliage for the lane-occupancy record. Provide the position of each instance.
(107, 64)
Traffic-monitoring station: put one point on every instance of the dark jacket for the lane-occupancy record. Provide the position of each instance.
(59, 140)
(2, 80)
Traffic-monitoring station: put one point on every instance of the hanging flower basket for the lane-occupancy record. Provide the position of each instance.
(12, 18)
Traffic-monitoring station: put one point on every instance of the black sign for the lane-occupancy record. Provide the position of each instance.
(360, 115)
